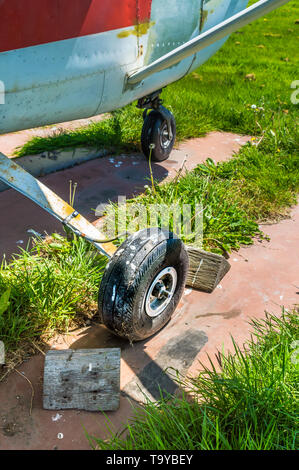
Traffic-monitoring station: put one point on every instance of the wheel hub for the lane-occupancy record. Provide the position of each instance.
(165, 139)
(160, 292)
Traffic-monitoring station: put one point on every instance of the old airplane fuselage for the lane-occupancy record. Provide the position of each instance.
(67, 59)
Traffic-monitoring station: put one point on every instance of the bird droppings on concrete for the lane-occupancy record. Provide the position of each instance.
(57, 417)
(187, 291)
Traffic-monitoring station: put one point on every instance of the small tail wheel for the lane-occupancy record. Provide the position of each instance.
(143, 283)
(156, 131)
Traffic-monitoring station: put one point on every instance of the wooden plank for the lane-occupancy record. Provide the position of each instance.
(84, 379)
(205, 269)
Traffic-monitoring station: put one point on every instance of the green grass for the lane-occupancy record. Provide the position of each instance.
(47, 289)
(217, 95)
(258, 184)
(251, 403)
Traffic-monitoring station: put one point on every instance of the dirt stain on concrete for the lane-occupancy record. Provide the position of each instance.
(16, 421)
(234, 312)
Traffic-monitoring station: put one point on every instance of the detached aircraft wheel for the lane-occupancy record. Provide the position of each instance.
(155, 131)
(143, 283)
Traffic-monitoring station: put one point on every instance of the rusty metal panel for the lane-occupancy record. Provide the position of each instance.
(172, 24)
(213, 13)
(208, 13)
(214, 36)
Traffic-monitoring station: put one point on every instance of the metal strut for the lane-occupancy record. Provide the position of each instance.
(19, 179)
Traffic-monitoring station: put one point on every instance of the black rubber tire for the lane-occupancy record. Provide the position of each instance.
(128, 276)
(151, 132)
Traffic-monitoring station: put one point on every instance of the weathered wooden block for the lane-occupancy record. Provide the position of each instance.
(205, 269)
(84, 379)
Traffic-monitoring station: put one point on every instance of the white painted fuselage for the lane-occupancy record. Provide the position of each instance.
(79, 77)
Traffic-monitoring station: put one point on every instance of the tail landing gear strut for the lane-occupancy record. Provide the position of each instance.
(158, 129)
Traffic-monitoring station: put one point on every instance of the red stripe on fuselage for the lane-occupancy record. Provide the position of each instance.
(25, 23)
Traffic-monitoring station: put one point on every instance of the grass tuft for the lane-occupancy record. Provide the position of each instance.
(47, 289)
(251, 403)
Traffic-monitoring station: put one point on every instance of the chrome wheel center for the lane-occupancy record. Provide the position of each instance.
(160, 292)
(164, 136)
